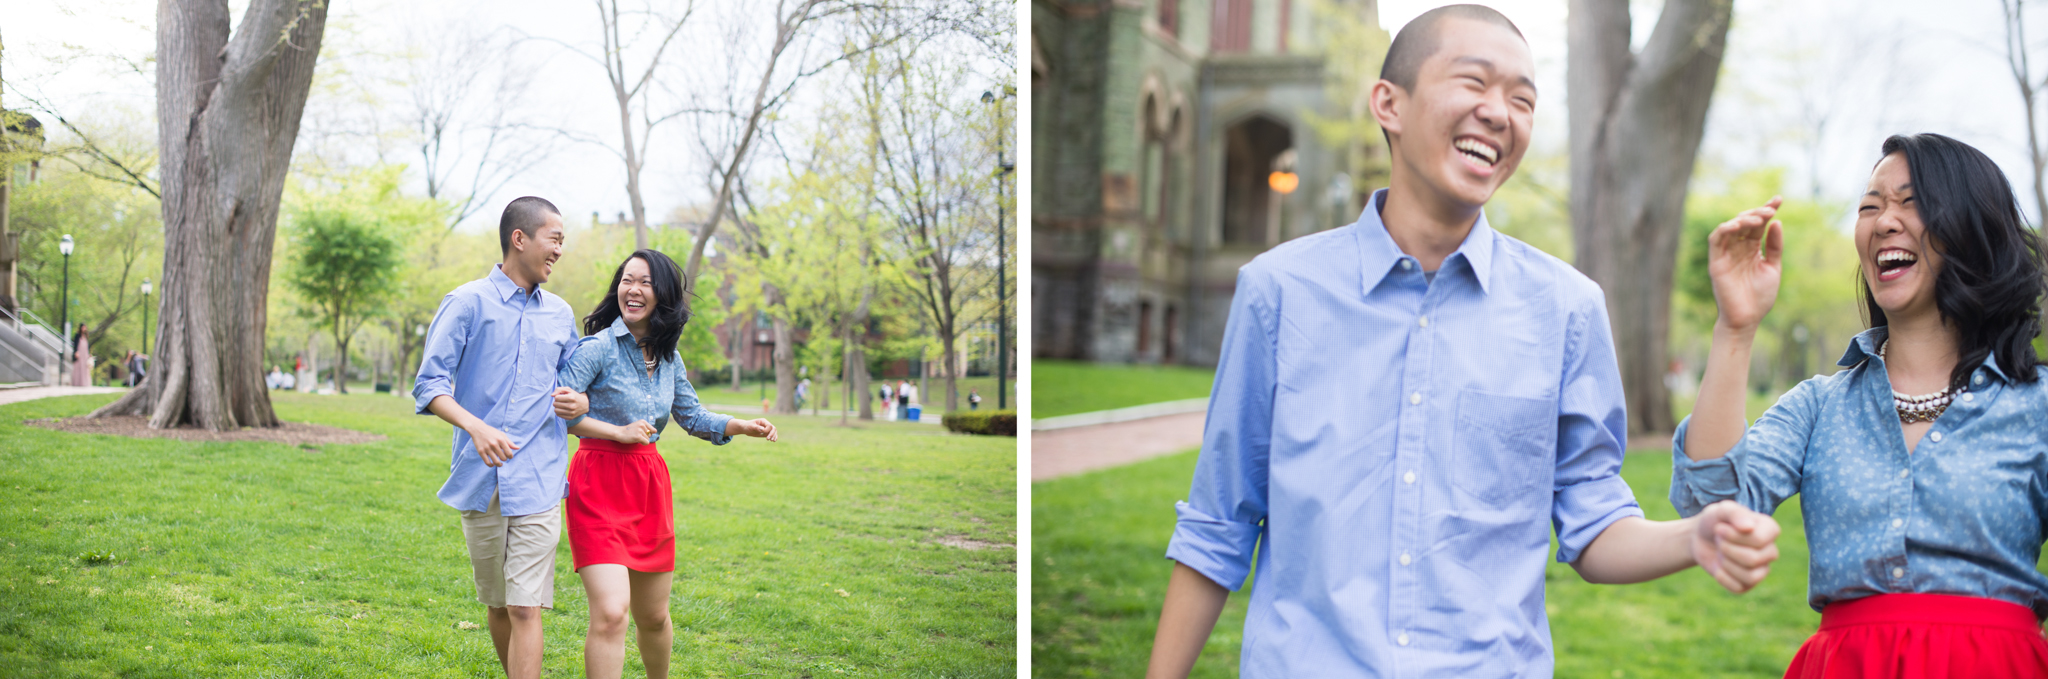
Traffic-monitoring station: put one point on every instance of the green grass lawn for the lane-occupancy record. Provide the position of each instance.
(1068, 387)
(1099, 574)
(817, 556)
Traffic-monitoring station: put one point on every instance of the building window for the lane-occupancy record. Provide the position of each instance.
(1169, 17)
(1230, 26)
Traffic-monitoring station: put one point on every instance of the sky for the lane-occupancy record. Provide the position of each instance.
(80, 57)
(1812, 86)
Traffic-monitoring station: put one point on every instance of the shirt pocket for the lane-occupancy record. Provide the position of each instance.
(539, 358)
(1501, 450)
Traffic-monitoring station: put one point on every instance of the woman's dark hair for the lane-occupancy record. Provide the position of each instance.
(1991, 279)
(671, 310)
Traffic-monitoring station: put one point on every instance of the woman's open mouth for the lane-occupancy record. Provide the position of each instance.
(1893, 263)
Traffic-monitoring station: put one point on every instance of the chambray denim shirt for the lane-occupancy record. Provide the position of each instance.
(608, 366)
(1961, 514)
(495, 350)
(1399, 451)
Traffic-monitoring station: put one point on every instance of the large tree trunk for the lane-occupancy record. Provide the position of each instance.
(227, 117)
(1636, 123)
(785, 357)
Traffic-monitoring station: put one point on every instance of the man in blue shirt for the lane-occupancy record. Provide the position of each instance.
(1401, 403)
(489, 369)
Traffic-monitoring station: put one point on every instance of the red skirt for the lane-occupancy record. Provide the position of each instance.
(620, 507)
(1911, 636)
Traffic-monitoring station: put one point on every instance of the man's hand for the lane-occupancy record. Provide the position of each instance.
(570, 404)
(1735, 545)
(491, 445)
(637, 432)
(760, 428)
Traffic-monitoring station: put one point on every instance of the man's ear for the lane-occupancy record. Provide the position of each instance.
(519, 240)
(1386, 100)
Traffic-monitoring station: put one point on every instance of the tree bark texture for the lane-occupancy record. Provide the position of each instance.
(228, 112)
(1636, 122)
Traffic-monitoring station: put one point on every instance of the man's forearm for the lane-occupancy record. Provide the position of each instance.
(445, 407)
(1193, 602)
(1635, 549)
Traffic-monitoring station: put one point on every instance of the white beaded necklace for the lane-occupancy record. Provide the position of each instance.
(1913, 409)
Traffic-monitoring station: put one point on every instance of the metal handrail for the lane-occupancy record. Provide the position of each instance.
(24, 359)
(57, 347)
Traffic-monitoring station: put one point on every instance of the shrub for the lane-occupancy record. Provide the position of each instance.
(988, 422)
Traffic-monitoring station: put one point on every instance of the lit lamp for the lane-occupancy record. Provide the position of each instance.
(145, 316)
(1283, 180)
(64, 300)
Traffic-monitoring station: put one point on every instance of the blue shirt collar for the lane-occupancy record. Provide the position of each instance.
(618, 328)
(504, 285)
(1379, 253)
(1864, 346)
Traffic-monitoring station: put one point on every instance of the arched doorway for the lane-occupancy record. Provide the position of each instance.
(1250, 147)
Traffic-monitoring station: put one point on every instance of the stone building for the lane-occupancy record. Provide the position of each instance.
(1172, 143)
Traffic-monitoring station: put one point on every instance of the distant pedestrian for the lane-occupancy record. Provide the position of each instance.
(903, 399)
(803, 390)
(974, 399)
(81, 362)
(275, 380)
(138, 368)
(888, 402)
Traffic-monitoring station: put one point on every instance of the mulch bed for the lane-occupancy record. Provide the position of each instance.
(135, 426)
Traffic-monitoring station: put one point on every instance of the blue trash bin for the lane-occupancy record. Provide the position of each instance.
(915, 411)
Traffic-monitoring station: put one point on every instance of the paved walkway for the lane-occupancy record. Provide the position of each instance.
(32, 393)
(1073, 450)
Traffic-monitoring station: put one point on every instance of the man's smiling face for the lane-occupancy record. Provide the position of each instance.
(1464, 127)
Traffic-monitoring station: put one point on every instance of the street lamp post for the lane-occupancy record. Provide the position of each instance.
(1002, 252)
(64, 300)
(145, 316)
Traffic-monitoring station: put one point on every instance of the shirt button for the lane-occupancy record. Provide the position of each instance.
(1935, 435)
(1898, 572)
(1402, 640)
(1902, 473)
(1980, 379)
(1406, 265)
(1415, 398)
(1898, 522)
(1423, 321)
(1408, 477)
(1404, 558)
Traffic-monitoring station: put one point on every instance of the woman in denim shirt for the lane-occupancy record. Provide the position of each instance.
(620, 509)
(1924, 464)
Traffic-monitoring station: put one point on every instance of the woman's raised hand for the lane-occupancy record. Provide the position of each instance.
(1744, 257)
(758, 428)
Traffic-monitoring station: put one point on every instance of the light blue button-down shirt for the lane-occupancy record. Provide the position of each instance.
(495, 349)
(1961, 514)
(611, 369)
(1399, 452)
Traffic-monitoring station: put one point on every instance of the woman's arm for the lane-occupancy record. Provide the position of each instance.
(1743, 258)
(592, 428)
(1193, 602)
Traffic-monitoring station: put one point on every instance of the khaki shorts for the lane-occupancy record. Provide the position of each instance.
(513, 556)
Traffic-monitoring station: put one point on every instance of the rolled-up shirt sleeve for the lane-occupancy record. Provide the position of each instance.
(1592, 433)
(1218, 527)
(583, 366)
(447, 337)
(1763, 469)
(689, 413)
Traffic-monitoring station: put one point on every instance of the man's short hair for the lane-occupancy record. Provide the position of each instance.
(525, 214)
(1418, 40)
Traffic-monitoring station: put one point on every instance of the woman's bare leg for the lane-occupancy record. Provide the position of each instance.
(610, 592)
(651, 620)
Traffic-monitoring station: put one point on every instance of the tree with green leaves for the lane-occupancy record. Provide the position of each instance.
(344, 266)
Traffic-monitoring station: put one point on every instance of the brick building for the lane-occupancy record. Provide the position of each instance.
(1162, 129)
